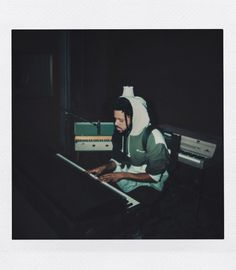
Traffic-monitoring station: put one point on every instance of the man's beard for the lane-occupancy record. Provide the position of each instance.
(124, 132)
(120, 130)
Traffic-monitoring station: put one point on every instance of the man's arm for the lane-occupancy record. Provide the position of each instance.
(108, 167)
(114, 177)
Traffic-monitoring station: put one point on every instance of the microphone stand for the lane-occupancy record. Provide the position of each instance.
(96, 124)
(79, 118)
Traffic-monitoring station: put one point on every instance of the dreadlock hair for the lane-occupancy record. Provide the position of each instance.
(123, 104)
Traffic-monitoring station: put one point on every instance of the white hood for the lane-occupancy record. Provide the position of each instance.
(140, 115)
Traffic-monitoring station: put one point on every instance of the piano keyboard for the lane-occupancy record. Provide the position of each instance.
(191, 160)
(197, 150)
(130, 201)
(93, 143)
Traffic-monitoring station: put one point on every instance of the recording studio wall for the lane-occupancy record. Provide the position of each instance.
(38, 78)
(179, 73)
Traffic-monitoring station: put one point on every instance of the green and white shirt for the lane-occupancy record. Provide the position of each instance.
(130, 155)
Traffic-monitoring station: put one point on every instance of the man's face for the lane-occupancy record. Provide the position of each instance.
(120, 122)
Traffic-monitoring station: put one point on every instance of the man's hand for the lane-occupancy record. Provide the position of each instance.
(112, 177)
(110, 166)
(97, 171)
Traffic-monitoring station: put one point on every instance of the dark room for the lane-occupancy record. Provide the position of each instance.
(66, 91)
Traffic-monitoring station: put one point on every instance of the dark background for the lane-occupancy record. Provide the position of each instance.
(179, 73)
